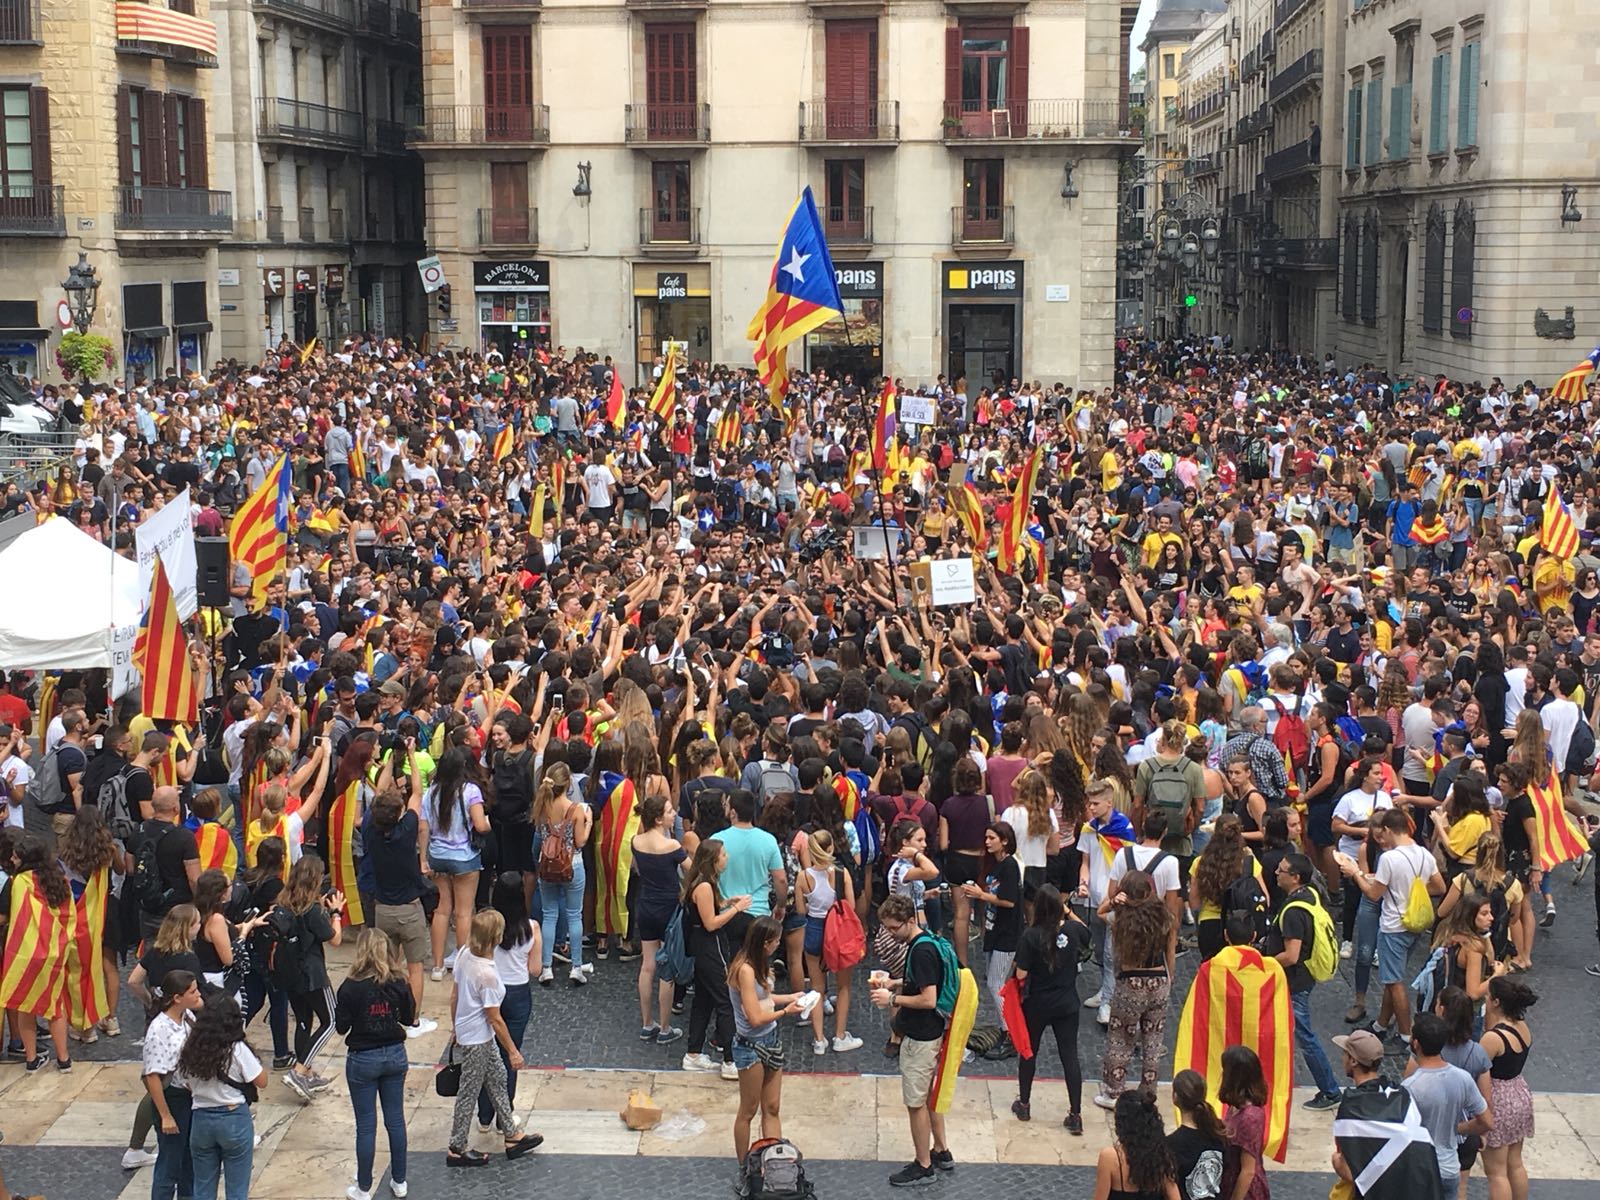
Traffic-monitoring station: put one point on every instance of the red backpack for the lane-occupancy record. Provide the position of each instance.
(1291, 736)
(844, 941)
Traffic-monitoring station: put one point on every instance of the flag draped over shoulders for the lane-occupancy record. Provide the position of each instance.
(344, 818)
(1379, 1132)
(618, 823)
(86, 966)
(1241, 998)
(1560, 839)
(34, 977)
(954, 1046)
(217, 851)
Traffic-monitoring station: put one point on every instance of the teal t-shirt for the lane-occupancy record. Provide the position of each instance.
(753, 855)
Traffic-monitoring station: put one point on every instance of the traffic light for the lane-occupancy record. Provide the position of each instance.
(444, 301)
(1190, 300)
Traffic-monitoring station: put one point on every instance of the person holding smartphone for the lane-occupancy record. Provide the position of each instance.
(311, 920)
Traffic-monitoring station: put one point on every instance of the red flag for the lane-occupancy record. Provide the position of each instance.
(883, 426)
(1011, 1014)
(616, 402)
(1560, 839)
(1014, 530)
(168, 692)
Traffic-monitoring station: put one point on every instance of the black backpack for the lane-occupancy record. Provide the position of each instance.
(1245, 894)
(146, 885)
(112, 802)
(287, 950)
(1580, 750)
(774, 1169)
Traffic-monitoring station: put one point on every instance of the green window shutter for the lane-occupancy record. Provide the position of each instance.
(1374, 122)
(1352, 125)
(1400, 122)
(1467, 102)
(1439, 105)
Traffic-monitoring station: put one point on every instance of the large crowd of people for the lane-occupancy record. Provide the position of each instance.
(540, 685)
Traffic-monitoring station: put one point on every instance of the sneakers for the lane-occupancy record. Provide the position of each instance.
(1104, 1015)
(546, 977)
(1594, 969)
(628, 954)
(577, 977)
(132, 1160)
(819, 1045)
(1073, 1124)
(63, 1064)
(111, 1027)
(318, 1083)
(87, 1036)
(1347, 951)
(1548, 917)
(397, 1189)
(437, 974)
(730, 1072)
(669, 1035)
(943, 1160)
(282, 1062)
(1095, 1001)
(450, 959)
(1355, 1014)
(827, 1006)
(298, 1085)
(1323, 1101)
(697, 1062)
(648, 1033)
(422, 1028)
(354, 1192)
(1021, 1110)
(34, 1063)
(847, 1043)
(912, 1175)
(602, 952)
(1105, 1100)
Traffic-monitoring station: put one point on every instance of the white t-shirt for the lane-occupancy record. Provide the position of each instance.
(213, 1093)
(478, 987)
(1396, 869)
(598, 481)
(1354, 807)
(1030, 849)
(1166, 872)
(1560, 718)
(1516, 693)
(512, 965)
(17, 773)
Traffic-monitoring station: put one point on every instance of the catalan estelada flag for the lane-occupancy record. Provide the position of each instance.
(504, 442)
(167, 690)
(1014, 530)
(254, 835)
(1560, 839)
(1240, 998)
(664, 400)
(849, 795)
(86, 966)
(968, 509)
(883, 426)
(1558, 533)
(617, 823)
(954, 1046)
(802, 293)
(1113, 835)
(1571, 386)
(1429, 533)
(729, 427)
(217, 851)
(259, 535)
(616, 401)
(344, 816)
(34, 979)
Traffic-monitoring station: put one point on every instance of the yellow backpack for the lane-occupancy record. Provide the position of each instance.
(1418, 914)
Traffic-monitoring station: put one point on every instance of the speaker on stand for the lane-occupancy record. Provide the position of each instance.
(211, 571)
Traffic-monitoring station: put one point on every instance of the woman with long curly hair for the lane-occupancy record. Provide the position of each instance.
(39, 884)
(1394, 695)
(1224, 860)
(1037, 828)
(214, 1061)
(1138, 1165)
(1139, 931)
(88, 852)
(1083, 721)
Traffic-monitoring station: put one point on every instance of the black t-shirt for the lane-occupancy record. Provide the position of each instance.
(157, 963)
(141, 788)
(1518, 810)
(1002, 927)
(923, 970)
(1197, 1162)
(175, 846)
(1343, 647)
(513, 788)
(70, 761)
(1052, 987)
(1295, 923)
(396, 871)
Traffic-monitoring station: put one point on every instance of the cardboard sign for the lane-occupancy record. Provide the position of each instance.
(952, 582)
(917, 410)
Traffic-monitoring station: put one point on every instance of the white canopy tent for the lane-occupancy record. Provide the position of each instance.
(61, 593)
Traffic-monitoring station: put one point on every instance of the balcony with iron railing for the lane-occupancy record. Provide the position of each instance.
(1202, 164)
(336, 16)
(32, 210)
(173, 209)
(836, 122)
(847, 225)
(983, 224)
(20, 23)
(1202, 109)
(481, 125)
(666, 124)
(146, 30)
(386, 137)
(1267, 47)
(1255, 124)
(1304, 70)
(300, 122)
(508, 227)
(1249, 65)
(1285, 11)
(1289, 161)
(668, 227)
(1034, 120)
(407, 27)
(492, 8)
(1307, 254)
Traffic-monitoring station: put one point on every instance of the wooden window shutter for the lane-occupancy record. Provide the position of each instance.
(1019, 80)
(952, 70)
(124, 136)
(174, 150)
(152, 139)
(39, 126)
(199, 165)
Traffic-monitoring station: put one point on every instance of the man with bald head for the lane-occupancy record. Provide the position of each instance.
(177, 858)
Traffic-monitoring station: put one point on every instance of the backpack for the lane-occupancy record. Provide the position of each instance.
(673, 961)
(1167, 789)
(1321, 957)
(775, 1170)
(1291, 737)
(145, 881)
(114, 809)
(1352, 738)
(922, 737)
(45, 791)
(1432, 979)
(773, 780)
(287, 951)
(1580, 750)
(777, 650)
(949, 972)
(903, 811)
(1245, 894)
(844, 941)
(555, 854)
(1418, 914)
(867, 834)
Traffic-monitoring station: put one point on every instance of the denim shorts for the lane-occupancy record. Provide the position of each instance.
(455, 866)
(745, 1057)
(1394, 951)
(815, 927)
(793, 920)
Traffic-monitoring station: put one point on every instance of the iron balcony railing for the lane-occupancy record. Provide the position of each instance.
(1303, 70)
(300, 121)
(174, 209)
(20, 24)
(508, 227)
(669, 225)
(1047, 120)
(848, 225)
(1318, 254)
(850, 121)
(1290, 160)
(983, 224)
(1285, 10)
(482, 125)
(494, 6)
(32, 210)
(337, 15)
(667, 122)
(386, 137)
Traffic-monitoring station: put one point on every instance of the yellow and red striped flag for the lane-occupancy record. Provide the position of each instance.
(883, 426)
(1429, 533)
(802, 293)
(1571, 387)
(344, 816)
(254, 835)
(730, 426)
(558, 486)
(34, 979)
(664, 400)
(1560, 839)
(86, 966)
(358, 458)
(167, 691)
(616, 402)
(259, 535)
(618, 822)
(954, 1045)
(1558, 533)
(1014, 530)
(964, 503)
(217, 851)
(536, 512)
(504, 442)
(849, 795)
(1240, 998)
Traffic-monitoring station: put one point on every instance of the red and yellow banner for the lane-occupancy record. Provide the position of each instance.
(618, 824)
(254, 835)
(86, 966)
(138, 22)
(217, 851)
(954, 1046)
(168, 690)
(1560, 839)
(344, 815)
(34, 979)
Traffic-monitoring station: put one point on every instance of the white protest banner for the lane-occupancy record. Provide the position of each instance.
(917, 410)
(169, 535)
(124, 675)
(952, 582)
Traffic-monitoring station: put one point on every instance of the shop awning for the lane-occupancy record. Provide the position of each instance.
(148, 332)
(25, 333)
(192, 327)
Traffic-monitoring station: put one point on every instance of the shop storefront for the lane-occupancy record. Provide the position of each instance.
(22, 338)
(852, 348)
(513, 300)
(191, 326)
(982, 322)
(272, 292)
(144, 331)
(671, 304)
(305, 304)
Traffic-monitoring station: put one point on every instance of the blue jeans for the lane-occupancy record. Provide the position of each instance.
(222, 1141)
(554, 898)
(174, 1169)
(341, 475)
(1100, 932)
(1366, 943)
(1311, 1045)
(515, 1010)
(377, 1075)
(258, 992)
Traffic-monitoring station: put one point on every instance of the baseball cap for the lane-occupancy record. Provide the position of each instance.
(391, 688)
(1363, 1045)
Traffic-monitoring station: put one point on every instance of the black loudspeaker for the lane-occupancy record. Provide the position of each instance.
(211, 571)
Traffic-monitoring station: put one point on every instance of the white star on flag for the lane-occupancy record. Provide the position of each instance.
(795, 263)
